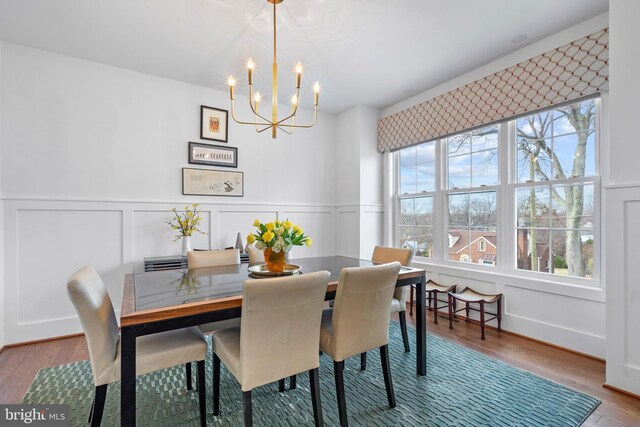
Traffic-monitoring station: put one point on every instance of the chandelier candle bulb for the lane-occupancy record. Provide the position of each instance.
(298, 75)
(250, 66)
(232, 84)
(316, 91)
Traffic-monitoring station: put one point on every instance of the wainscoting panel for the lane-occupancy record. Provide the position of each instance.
(541, 313)
(45, 241)
(371, 229)
(348, 232)
(317, 224)
(153, 237)
(237, 220)
(623, 286)
(89, 238)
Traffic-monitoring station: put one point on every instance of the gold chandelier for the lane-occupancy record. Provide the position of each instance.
(286, 124)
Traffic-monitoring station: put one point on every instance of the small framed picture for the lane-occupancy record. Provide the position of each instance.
(206, 182)
(213, 124)
(213, 155)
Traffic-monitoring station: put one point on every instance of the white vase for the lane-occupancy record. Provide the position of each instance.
(186, 244)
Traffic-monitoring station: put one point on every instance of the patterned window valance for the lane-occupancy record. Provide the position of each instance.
(575, 70)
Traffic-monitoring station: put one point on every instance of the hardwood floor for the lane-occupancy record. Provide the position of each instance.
(19, 365)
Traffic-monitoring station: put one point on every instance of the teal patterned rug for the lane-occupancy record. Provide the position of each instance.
(462, 388)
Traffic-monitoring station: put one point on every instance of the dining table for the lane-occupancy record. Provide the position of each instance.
(160, 301)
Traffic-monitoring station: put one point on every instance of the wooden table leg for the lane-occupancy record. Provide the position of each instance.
(128, 378)
(421, 326)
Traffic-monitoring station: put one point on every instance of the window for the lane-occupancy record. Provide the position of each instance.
(417, 187)
(555, 156)
(540, 171)
(472, 169)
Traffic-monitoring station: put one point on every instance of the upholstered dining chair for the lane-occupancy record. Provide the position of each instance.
(256, 256)
(358, 322)
(197, 259)
(278, 337)
(153, 352)
(383, 255)
(202, 259)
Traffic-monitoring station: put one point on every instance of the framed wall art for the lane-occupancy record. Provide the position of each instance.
(214, 124)
(213, 155)
(205, 182)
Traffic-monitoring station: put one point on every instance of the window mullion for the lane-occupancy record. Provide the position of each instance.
(505, 205)
(439, 203)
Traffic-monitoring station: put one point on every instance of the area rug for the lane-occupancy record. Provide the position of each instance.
(462, 388)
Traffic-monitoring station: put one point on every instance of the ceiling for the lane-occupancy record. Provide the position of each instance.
(363, 52)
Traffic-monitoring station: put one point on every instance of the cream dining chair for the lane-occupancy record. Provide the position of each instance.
(197, 259)
(278, 337)
(256, 256)
(383, 255)
(358, 322)
(153, 352)
(202, 259)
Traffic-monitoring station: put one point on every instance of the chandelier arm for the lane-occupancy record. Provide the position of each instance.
(285, 131)
(252, 108)
(268, 126)
(295, 110)
(315, 118)
(233, 116)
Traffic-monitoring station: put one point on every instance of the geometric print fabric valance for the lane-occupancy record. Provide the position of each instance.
(572, 71)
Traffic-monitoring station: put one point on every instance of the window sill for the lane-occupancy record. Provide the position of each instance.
(503, 278)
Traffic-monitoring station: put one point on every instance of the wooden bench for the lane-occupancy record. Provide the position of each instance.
(433, 289)
(469, 296)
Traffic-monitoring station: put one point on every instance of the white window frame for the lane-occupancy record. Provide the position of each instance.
(506, 211)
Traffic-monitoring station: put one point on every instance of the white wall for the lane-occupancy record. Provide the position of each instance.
(2, 307)
(622, 200)
(90, 164)
(565, 315)
(359, 183)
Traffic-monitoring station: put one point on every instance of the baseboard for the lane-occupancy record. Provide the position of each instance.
(60, 337)
(559, 347)
(619, 390)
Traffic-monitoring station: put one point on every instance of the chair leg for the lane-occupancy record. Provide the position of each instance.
(363, 361)
(187, 368)
(435, 306)
(403, 328)
(216, 384)
(314, 385)
(98, 405)
(481, 318)
(386, 371)
(451, 299)
(281, 385)
(411, 299)
(429, 301)
(292, 382)
(500, 314)
(338, 371)
(246, 408)
(202, 398)
(93, 402)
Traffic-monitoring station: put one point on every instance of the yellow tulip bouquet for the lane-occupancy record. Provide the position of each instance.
(186, 222)
(279, 236)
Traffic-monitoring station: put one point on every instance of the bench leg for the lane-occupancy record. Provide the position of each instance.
(481, 318)
(435, 306)
(467, 313)
(500, 314)
(451, 299)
